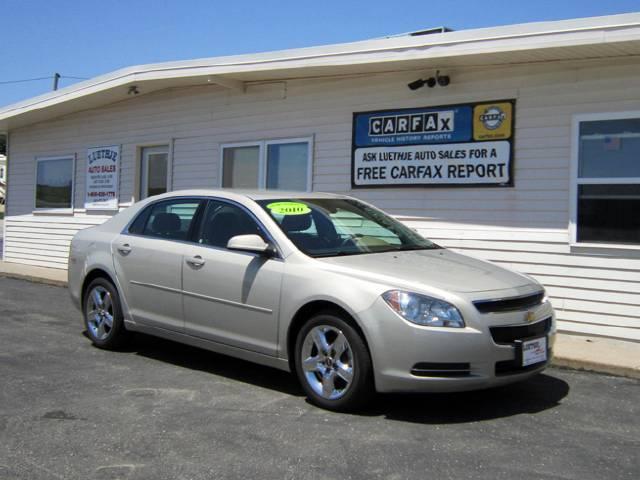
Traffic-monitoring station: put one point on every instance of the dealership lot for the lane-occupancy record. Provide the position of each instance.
(163, 410)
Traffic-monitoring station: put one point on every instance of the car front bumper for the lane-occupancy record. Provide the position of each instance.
(413, 358)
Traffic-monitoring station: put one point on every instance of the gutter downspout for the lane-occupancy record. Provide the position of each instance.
(6, 202)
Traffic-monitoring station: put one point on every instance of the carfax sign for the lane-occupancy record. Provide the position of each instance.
(102, 178)
(455, 145)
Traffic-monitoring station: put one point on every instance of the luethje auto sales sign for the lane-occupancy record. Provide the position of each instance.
(455, 145)
(102, 178)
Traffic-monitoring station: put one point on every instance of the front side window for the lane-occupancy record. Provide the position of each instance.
(222, 221)
(274, 165)
(154, 171)
(335, 226)
(170, 220)
(54, 182)
(608, 181)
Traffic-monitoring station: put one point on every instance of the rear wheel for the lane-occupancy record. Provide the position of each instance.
(103, 315)
(333, 363)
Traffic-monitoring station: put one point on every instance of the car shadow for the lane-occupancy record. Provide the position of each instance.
(539, 393)
(534, 395)
(194, 358)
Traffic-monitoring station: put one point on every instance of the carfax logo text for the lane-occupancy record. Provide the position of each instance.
(433, 122)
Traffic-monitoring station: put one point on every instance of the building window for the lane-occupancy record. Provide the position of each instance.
(271, 164)
(240, 166)
(607, 179)
(54, 182)
(154, 171)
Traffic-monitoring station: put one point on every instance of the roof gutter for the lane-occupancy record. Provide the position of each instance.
(407, 46)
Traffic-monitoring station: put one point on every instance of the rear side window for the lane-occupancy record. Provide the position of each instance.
(137, 226)
(170, 220)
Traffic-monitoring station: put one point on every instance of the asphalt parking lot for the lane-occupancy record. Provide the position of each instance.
(162, 410)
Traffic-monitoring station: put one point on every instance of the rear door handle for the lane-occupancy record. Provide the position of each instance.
(124, 249)
(195, 261)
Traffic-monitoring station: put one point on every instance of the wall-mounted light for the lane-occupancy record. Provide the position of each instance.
(415, 85)
(133, 90)
(441, 80)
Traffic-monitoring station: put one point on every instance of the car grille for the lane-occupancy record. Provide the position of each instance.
(507, 335)
(512, 335)
(509, 304)
(510, 367)
(425, 369)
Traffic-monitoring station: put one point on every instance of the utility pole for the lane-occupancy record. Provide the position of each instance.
(56, 77)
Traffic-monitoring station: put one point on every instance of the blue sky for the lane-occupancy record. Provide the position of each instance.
(85, 38)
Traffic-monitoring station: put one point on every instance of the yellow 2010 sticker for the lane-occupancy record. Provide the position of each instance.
(288, 208)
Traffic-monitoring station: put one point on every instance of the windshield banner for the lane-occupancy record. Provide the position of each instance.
(455, 145)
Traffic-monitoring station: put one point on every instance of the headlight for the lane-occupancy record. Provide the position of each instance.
(423, 310)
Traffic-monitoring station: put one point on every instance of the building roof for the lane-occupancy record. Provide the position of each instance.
(584, 38)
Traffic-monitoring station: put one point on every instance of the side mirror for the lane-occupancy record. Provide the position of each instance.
(249, 243)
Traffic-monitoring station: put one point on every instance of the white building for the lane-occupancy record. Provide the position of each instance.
(537, 140)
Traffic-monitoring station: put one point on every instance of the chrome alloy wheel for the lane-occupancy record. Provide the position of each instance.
(327, 361)
(99, 311)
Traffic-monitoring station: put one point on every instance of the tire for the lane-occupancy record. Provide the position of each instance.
(340, 378)
(104, 322)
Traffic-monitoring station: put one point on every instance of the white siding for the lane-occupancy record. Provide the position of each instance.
(43, 240)
(525, 227)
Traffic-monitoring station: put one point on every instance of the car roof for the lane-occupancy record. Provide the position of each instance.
(251, 194)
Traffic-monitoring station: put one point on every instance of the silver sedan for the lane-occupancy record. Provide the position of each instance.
(322, 285)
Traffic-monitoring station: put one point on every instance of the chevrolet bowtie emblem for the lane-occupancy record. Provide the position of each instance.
(530, 317)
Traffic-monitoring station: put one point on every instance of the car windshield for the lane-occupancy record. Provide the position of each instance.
(327, 227)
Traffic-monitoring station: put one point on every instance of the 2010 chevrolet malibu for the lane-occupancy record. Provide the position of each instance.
(323, 285)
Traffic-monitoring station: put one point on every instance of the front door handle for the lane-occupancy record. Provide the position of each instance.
(195, 261)
(125, 249)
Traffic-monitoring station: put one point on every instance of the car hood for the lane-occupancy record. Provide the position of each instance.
(438, 268)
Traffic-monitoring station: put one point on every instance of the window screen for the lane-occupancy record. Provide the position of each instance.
(154, 178)
(241, 167)
(287, 166)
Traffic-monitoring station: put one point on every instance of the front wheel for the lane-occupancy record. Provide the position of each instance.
(333, 363)
(103, 315)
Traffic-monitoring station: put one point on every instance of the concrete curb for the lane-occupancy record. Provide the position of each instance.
(596, 367)
(34, 279)
(597, 354)
(31, 273)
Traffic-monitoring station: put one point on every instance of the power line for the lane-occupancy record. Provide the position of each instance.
(23, 80)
